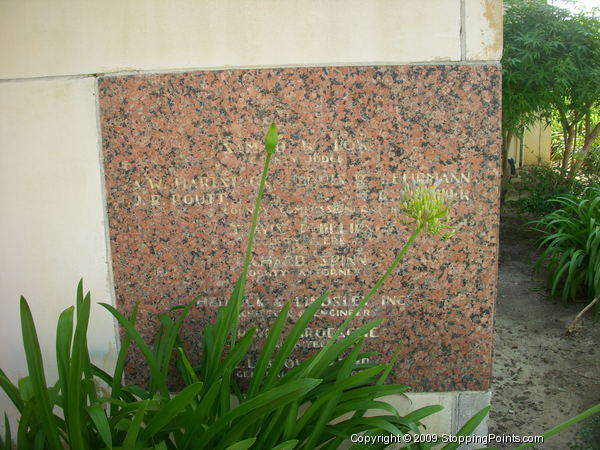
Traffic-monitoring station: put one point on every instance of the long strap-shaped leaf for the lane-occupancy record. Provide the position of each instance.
(132, 433)
(218, 334)
(267, 350)
(325, 414)
(117, 379)
(7, 444)
(64, 337)
(87, 364)
(170, 336)
(338, 387)
(171, 409)
(327, 355)
(291, 340)
(12, 391)
(76, 401)
(98, 416)
(196, 421)
(150, 359)
(256, 407)
(469, 427)
(35, 366)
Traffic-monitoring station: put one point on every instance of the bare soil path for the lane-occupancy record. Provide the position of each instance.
(541, 377)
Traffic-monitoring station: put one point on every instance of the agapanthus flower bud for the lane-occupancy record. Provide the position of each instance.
(271, 139)
(428, 208)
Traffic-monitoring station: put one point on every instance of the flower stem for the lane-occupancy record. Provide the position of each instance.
(379, 283)
(255, 214)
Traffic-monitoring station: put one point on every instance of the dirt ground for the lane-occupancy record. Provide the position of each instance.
(541, 377)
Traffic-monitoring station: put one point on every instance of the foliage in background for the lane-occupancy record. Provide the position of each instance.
(588, 437)
(551, 66)
(539, 185)
(319, 403)
(586, 159)
(571, 243)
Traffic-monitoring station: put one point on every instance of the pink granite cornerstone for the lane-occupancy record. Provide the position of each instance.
(183, 155)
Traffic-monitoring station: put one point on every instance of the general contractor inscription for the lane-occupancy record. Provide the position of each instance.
(183, 157)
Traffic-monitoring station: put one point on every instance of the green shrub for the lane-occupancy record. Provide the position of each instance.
(540, 184)
(318, 404)
(588, 437)
(571, 243)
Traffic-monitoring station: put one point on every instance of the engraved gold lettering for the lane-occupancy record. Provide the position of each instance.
(394, 301)
(306, 147)
(333, 240)
(154, 184)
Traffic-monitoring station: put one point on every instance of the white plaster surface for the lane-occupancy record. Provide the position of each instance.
(52, 223)
(62, 37)
(483, 30)
(459, 407)
(438, 423)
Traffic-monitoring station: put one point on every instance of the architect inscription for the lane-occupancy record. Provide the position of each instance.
(183, 156)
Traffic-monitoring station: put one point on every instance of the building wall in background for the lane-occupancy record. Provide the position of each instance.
(535, 147)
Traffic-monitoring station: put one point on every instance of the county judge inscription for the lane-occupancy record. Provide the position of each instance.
(183, 156)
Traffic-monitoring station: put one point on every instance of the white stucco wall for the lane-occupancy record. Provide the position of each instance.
(61, 37)
(53, 229)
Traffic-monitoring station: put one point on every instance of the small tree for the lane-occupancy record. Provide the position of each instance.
(551, 63)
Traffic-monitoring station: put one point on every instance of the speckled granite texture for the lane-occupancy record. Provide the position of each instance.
(183, 156)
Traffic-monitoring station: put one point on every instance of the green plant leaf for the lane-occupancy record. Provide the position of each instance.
(258, 406)
(135, 426)
(76, 401)
(35, 366)
(170, 337)
(204, 410)
(291, 340)
(242, 445)
(64, 336)
(287, 445)
(325, 414)
(117, 379)
(418, 414)
(160, 377)
(171, 409)
(469, 427)
(12, 392)
(187, 366)
(26, 389)
(98, 416)
(237, 353)
(25, 422)
(217, 334)
(267, 351)
(7, 436)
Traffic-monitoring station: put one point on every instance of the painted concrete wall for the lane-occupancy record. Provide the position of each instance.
(59, 37)
(535, 148)
(53, 229)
